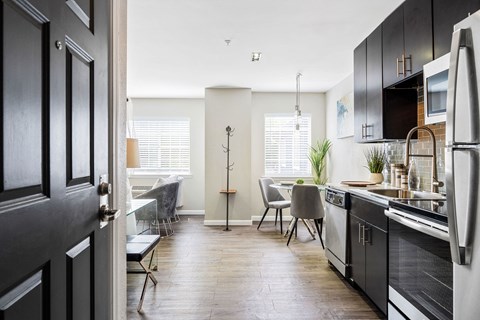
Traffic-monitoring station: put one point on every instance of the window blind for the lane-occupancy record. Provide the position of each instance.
(286, 149)
(164, 145)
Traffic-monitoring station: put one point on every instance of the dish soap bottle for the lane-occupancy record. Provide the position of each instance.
(413, 178)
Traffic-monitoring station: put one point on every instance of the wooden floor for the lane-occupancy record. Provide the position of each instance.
(206, 273)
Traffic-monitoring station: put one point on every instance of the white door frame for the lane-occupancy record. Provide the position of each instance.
(117, 152)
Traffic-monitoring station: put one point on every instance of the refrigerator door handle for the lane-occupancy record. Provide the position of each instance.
(461, 254)
(461, 38)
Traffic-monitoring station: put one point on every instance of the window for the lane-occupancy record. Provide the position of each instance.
(286, 149)
(164, 145)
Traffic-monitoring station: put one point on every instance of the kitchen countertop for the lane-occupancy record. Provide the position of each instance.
(363, 191)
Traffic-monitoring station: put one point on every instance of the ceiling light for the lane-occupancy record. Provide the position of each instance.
(256, 56)
(298, 112)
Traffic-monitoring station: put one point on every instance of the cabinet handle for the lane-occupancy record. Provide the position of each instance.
(359, 233)
(366, 130)
(405, 70)
(365, 240)
(398, 71)
(363, 131)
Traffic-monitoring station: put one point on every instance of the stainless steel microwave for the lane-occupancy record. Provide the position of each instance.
(435, 84)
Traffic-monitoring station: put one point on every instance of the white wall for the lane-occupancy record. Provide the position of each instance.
(227, 107)
(262, 103)
(193, 185)
(346, 160)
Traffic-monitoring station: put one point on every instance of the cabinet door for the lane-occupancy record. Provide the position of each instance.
(417, 19)
(374, 128)
(360, 89)
(446, 13)
(393, 44)
(357, 250)
(376, 251)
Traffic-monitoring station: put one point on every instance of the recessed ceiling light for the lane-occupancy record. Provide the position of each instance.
(256, 56)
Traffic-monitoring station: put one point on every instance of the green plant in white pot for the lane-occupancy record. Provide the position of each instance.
(375, 162)
(318, 157)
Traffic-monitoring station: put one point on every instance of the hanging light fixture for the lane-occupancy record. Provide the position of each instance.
(298, 112)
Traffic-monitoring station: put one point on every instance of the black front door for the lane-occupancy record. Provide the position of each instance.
(54, 125)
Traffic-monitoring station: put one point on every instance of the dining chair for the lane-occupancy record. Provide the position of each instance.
(272, 198)
(166, 196)
(306, 204)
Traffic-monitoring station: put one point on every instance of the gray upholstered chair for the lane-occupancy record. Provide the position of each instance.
(272, 199)
(306, 204)
(166, 196)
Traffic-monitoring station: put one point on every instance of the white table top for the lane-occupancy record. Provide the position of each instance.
(289, 187)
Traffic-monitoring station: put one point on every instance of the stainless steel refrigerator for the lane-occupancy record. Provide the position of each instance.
(462, 166)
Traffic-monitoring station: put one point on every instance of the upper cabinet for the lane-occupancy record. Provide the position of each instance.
(407, 41)
(379, 114)
(368, 97)
(446, 13)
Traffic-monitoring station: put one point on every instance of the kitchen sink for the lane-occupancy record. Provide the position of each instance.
(405, 194)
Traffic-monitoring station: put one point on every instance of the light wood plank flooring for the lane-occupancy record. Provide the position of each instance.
(206, 273)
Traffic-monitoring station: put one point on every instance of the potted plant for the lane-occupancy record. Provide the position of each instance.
(317, 157)
(375, 162)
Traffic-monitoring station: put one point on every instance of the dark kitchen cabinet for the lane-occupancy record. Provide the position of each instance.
(379, 114)
(368, 93)
(446, 13)
(360, 89)
(407, 41)
(369, 250)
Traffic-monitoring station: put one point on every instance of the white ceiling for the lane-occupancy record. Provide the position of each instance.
(176, 48)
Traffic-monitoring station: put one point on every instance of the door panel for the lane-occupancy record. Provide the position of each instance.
(54, 256)
(24, 94)
(25, 301)
(82, 9)
(358, 251)
(376, 271)
(374, 85)
(393, 44)
(80, 120)
(79, 283)
(360, 90)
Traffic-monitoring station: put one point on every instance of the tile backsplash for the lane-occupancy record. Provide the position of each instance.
(395, 151)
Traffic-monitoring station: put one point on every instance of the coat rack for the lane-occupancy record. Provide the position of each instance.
(229, 168)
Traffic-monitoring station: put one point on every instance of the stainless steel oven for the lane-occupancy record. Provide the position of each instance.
(420, 267)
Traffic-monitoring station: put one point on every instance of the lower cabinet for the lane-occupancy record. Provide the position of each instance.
(369, 250)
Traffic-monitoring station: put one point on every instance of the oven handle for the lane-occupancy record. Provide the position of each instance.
(418, 227)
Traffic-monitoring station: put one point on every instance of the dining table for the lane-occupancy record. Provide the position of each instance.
(287, 186)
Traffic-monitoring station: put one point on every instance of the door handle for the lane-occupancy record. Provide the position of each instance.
(461, 253)
(107, 214)
(405, 70)
(461, 38)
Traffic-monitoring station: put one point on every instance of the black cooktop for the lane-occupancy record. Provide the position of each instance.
(434, 209)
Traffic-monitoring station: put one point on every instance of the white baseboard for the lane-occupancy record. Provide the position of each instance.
(191, 212)
(271, 218)
(230, 222)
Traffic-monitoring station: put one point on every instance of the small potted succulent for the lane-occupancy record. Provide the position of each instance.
(375, 162)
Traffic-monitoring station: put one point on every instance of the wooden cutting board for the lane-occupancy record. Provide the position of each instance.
(358, 183)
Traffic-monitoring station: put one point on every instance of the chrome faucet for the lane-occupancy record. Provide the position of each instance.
(435, 184)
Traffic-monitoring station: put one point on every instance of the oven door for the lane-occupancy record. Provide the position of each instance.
(420, 268)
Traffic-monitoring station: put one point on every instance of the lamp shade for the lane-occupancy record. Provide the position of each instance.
(133, 156)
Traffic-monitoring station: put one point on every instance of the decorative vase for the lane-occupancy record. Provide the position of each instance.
(376, 177)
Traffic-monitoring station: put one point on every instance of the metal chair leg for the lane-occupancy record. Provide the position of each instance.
(291, 232)
(263, 217)
(319, 230)
(276, 216)
(281, 221)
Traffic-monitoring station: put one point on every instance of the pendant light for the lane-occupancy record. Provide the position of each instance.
(298, 112)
